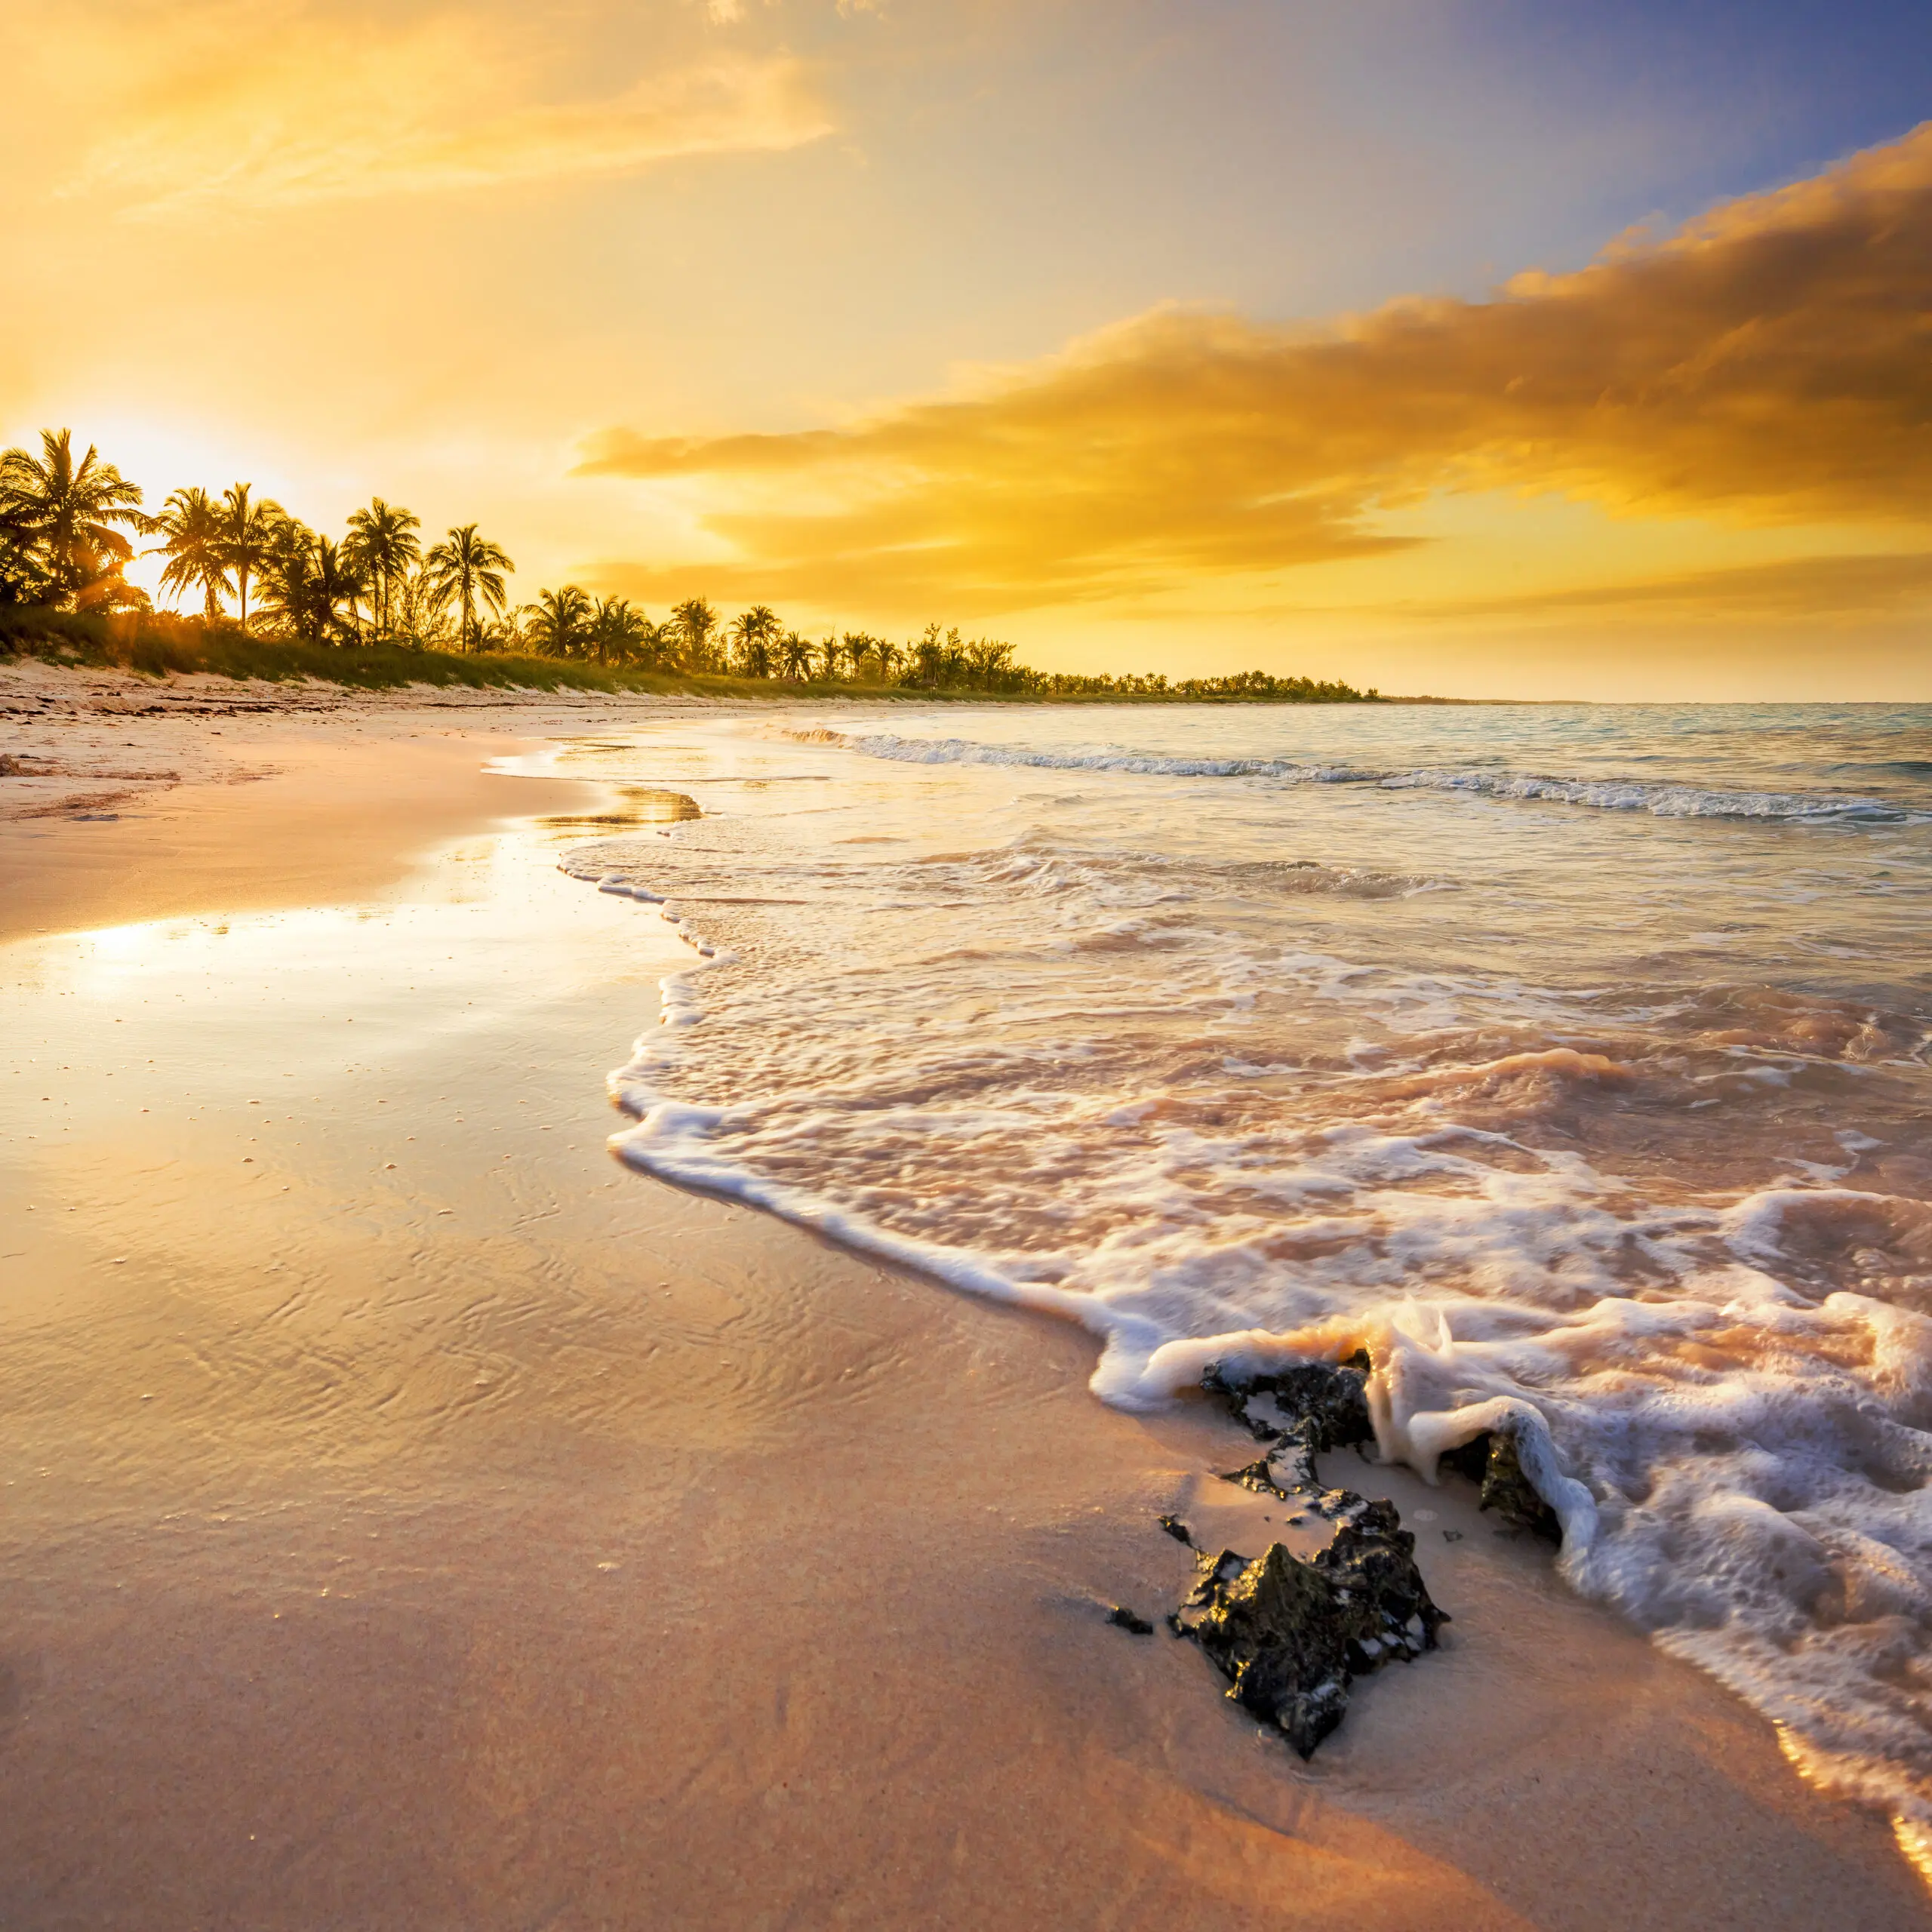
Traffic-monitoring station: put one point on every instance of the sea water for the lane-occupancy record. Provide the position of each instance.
(1575, 1061)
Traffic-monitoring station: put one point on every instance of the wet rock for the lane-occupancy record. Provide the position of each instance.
(1300, 1412)
(1291, 1634)
(1126, 1620)
(1490, 1459)
(1176, 1528)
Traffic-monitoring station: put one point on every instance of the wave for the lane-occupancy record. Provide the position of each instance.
(1612, 795)
(1630, 1162)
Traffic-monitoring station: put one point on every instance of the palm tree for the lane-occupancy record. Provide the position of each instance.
(468, 570)
(67, 511)
(24, 575)
(795, 656)
(288, 589)
(695, 620)
(306, 580)
(560, 620)
(339, 580)
(752, 632)
(190, 525)
(616, 630)
(247, 535)
(890, 657)
(383, 541)
(830, 650)
(657, 643)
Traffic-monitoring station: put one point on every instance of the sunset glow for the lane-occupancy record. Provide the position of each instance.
(1379, 343)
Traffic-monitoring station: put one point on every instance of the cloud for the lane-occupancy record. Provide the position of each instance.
(303, 113)
(1770, 363)
(1868, 584)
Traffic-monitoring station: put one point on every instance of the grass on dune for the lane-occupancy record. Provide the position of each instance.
(158, 645)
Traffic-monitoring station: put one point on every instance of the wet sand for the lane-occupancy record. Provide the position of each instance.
(410, 1517)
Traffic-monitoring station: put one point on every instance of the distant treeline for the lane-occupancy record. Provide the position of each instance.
(68, 530)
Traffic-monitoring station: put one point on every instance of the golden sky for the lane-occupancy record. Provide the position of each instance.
(1363, 341)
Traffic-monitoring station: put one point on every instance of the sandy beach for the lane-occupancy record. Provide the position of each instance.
(412, 1518)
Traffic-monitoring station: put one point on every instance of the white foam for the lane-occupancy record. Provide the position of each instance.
(1538, 1110)
(1665, 800)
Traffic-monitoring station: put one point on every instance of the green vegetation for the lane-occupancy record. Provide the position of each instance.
(376, 608)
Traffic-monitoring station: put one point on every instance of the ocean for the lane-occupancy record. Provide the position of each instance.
(1575, 1061)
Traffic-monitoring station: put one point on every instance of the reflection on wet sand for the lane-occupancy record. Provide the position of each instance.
(411, 1518)
(643, 805)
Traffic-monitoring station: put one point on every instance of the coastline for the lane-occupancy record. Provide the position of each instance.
(443, 1544)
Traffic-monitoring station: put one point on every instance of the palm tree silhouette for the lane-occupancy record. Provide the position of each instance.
(247, 531)
(753, 633)
(338, 580)
(67, 511)
(190, 526)
(656, 642)
(616, 630)
(382, 541)
(468, 569)
(23, 578)
(695, 620)
(288, 574)
(561, 621)
(795, 656)
(306, 580)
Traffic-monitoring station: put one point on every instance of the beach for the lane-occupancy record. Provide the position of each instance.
(414, 1516)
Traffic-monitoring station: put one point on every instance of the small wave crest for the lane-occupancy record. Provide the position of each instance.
(1608, 795)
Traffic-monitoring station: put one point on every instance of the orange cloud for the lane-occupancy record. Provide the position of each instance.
(1770, 363)
(1873, 585)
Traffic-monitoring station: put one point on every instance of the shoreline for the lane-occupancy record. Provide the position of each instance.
(502, 1533)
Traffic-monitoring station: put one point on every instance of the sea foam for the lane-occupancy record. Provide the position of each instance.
(1614, 795)
(1608, 1134)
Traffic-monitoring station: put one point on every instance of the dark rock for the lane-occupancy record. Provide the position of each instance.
(1266, 1478)
(1290, 1634)
(1490, 1459)
(1300, 1412)
(1176, 1528)
(1125, 1619)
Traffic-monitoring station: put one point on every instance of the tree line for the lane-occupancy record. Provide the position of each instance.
(68, 532)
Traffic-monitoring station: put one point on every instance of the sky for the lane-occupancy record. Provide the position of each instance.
(1520, 348)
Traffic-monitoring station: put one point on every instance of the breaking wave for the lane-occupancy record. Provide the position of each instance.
(1616, 1142)
(1611, 794)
